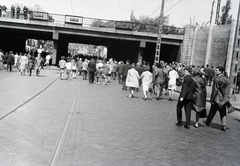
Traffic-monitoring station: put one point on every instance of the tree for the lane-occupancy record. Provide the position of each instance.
(148, 24)
(226, 18)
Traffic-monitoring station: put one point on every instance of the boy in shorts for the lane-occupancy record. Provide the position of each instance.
(61, 65)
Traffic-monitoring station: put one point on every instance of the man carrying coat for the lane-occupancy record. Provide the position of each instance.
(219, 98)
(186, 98)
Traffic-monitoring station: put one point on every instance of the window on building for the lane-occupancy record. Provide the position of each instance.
(236, 56)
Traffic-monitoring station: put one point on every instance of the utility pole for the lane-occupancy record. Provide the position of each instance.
(209, 41)
(212, 12)
(217, 12)
(158, 46)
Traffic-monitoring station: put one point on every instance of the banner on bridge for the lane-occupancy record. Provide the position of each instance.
(40, 16)
(73, 19)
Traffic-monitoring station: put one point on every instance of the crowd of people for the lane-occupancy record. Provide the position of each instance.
(161, 79)
(158, 80)
(15, 11)
(23, 62)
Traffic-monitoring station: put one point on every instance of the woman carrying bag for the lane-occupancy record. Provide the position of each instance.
(199, 96)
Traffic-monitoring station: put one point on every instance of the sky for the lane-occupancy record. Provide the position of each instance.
(180, 12)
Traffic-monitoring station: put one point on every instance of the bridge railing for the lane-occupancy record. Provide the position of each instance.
(96, 22)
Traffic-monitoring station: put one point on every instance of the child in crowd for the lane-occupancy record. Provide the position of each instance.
(30, 66)
(74, 68)
(98, 74)
(68, 66)
(61, 65)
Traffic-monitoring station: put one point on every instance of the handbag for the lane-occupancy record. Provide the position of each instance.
(150, 88)
(203, 113)
(230, 109)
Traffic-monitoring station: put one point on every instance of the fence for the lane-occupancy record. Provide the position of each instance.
(95, 22)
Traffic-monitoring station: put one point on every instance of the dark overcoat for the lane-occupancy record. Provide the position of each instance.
(200, 94)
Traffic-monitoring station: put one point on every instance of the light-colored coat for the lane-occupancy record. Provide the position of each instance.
(23, 62)
(132, 79)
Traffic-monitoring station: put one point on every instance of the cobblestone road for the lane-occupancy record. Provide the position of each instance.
(107, 128)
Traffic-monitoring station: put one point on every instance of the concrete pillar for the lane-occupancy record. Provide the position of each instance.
(231, 47)
(209, 45)
(55, 38)
(188, 45)
(193, 43)
(54, 56)
(140, 52)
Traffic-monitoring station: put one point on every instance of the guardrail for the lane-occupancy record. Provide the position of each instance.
(96, 22)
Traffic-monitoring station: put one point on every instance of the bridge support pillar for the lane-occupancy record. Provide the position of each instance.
(54, 56)
(60, 47)
(140, 51)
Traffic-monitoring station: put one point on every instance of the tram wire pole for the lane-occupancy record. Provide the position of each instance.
(159, 37)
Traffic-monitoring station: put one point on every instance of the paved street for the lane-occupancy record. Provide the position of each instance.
(48, 121)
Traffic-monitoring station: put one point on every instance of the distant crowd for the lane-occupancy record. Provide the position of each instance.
(23, 62)
(15, 11)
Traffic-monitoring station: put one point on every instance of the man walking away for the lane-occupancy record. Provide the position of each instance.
(10, 61)
(186, 98)
(219, 98)
(91, 70)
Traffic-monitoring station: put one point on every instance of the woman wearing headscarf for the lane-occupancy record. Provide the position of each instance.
(199, 95)
(132, 80)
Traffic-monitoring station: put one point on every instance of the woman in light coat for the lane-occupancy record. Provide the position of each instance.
(23, 63)
(132, 80)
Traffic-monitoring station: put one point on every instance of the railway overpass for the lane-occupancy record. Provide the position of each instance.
(122, 43)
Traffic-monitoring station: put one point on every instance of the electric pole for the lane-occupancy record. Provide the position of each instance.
(158, 46)
(217, 12)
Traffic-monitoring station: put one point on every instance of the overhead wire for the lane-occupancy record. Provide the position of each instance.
(172, 6)
(122, 6)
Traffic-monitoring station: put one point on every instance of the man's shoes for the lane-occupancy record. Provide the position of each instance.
(179, 123)
(205, 122)
(223, 128)
(186, 126)
(196, 125)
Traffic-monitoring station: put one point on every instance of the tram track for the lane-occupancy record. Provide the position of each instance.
(65, 132)
(12, 111)
(55, 157)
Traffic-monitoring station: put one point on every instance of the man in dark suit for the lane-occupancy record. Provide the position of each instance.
(186, 98)
(238, 81)
(120, 72)
(91, 70)
(10, 61)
